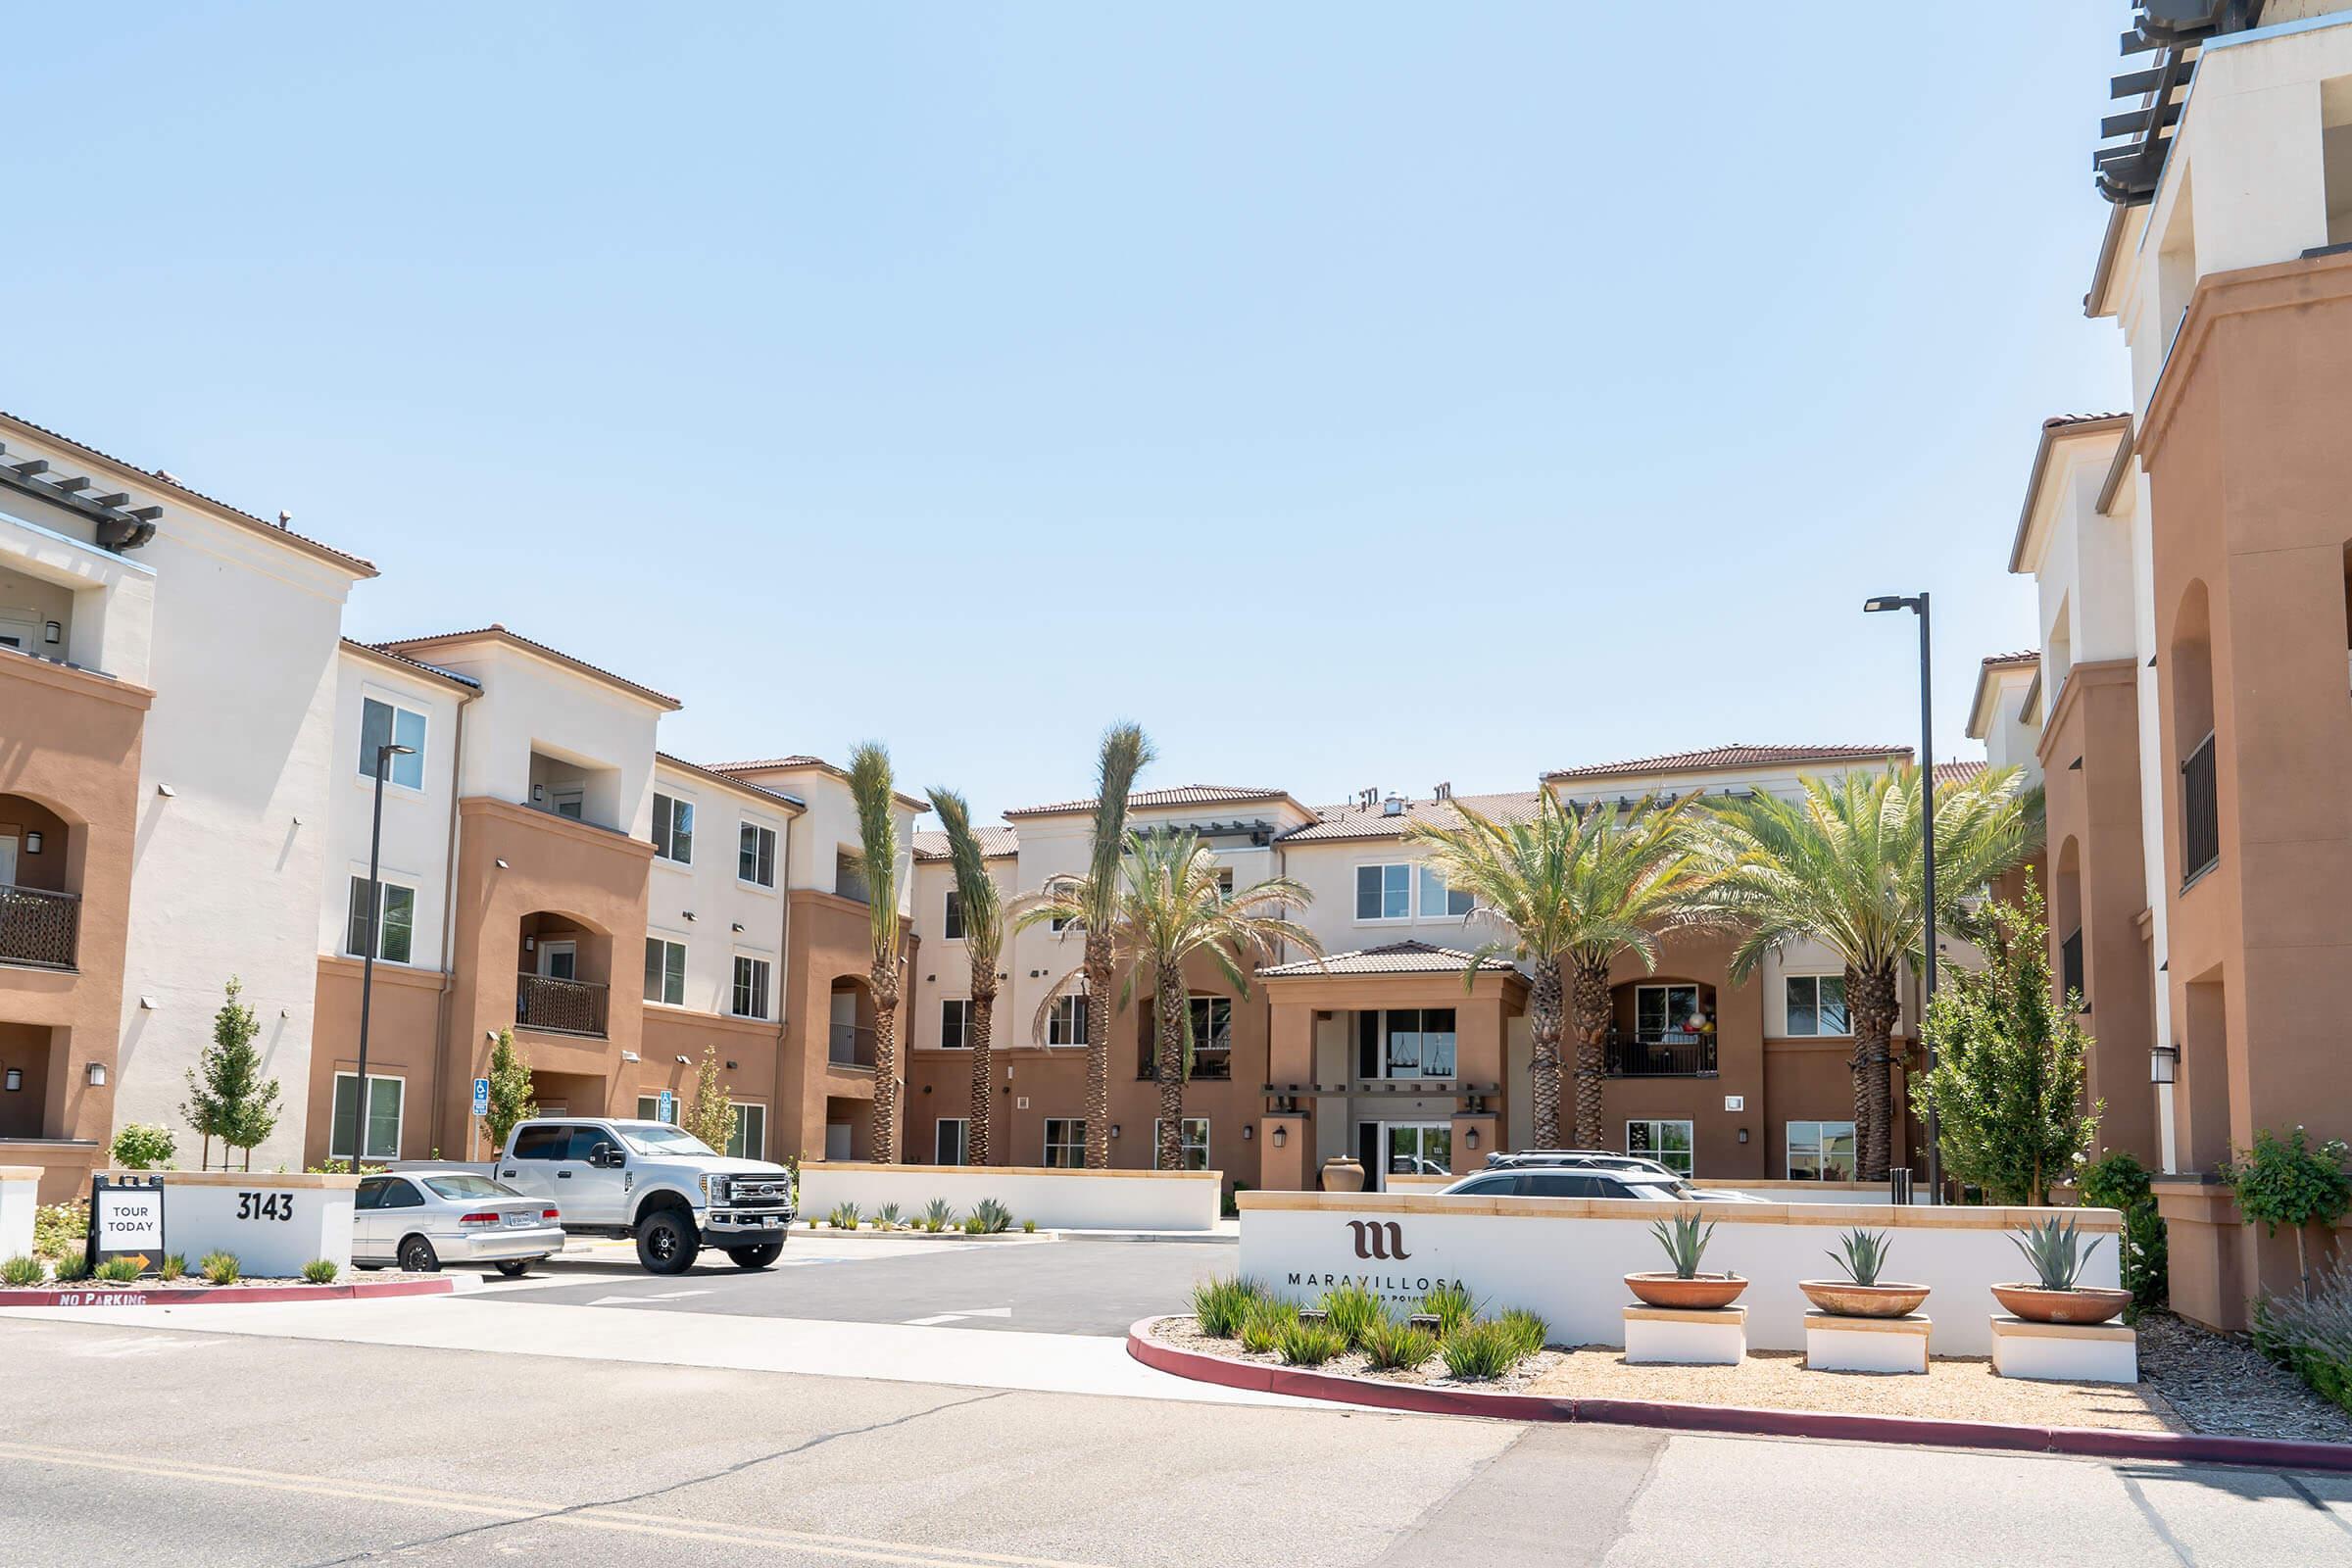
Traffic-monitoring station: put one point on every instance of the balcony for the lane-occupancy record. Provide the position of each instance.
(38, 928)
(851, 1045)
(560, 1006)
(1664, 1054)
(1210, 1063)
(2200, 814)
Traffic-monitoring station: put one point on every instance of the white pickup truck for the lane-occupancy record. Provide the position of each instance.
(648, 1180)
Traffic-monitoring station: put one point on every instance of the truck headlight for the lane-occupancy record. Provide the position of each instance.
(715, 1188)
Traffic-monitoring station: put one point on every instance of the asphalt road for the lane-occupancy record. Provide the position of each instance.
(124, 1444)
(1084, 1285)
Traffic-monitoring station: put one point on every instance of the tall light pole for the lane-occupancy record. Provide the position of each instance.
(1927, 819)
(384, 753)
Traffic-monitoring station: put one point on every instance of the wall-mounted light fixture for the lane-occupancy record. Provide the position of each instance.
(731, 1068)
(2164, 1064)
(1282, 1136)
(1744, 1135)
(500, 864)
(689, 914)
(33, 842)
(538, 791)
(739, 926)
(630, 1055)
(530, 944)
(53, 632)
(1248, 1132)
(1114, 1129)
(685, 1061)
(97, 1075)
(16, 1079)
(147, 1003)
(166, 791)
(1471, 1138)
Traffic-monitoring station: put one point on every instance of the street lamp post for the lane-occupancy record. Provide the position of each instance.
(1926, 766)
(384, 753)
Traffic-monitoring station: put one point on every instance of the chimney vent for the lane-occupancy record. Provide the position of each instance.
(1393, 806)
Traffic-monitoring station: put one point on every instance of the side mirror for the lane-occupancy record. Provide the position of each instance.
(605, 1157)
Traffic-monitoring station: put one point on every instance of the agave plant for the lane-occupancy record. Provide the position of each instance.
(886, 1218)
(938, 1215)
(993, 1217)
(2055, 1250)
(1864, 1256)
(1684, 1241)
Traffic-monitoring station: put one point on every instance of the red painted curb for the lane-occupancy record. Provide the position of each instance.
(75, 1296)
(2179, 1447)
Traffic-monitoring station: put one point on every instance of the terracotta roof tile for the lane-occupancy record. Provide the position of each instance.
(1956, 772)
(434, 670)
(2059, 422)
(1732, 755)
(2028, 656)
(800, 760)
(1178, 795)
(996, 843)
(1354, 822)
(402, 646)
(719, 776)
(1398, 958)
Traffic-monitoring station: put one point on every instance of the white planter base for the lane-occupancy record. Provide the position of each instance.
(1664, 1334)
(1835, 1344)
(2065, 1352)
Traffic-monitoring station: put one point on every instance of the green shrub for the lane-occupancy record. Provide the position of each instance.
(845, 1217)
(1263, 1326)
(2287, 1182)
(1526, 1330)
(1450, 1306)
(71, 1267)
(1393, 1347)
(118, 1270)
(220, 1268)
(172, 1266)
(993, 1217)
(1481, 1349)
(61, 1228)
(1233, 1206)
(938, 1215)
(320, 1271)
(23, 1272)
(1221, 1305)
(143, 1146)
(1310, 1343)
(1354, 1311)
(1029, 1227)
(2312, 1334)
(2118, 1181)
(886, 1218)
(974, 1225)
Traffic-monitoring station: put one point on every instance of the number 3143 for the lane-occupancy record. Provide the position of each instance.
(266, 1205)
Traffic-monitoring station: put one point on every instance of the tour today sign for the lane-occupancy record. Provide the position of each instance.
(127, 1219)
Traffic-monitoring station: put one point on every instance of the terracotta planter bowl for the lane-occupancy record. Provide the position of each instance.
(2081, 1305)
(1844, 1299)
(1705, 1292)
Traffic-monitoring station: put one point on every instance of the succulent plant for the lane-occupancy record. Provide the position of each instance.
(2055, 1250)
(1684, 1241)
(1863, 1255)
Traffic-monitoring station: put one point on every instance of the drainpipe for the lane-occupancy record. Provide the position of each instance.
(449, 928)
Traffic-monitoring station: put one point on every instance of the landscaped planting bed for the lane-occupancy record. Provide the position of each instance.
(2221, 1383)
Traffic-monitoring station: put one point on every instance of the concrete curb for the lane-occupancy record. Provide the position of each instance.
(77, 1295)
(2184, 1448)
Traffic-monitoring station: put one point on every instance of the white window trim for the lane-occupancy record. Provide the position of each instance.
(385, 880)
(947, 899)
(759, 1106)
(685, 971)
(965, 1003)
(693, 832)
(775, 860)
(1412, 886)
(1790, 1030)
(1670, 987)
(1658, 1150)
(1422, 872)
(1076, 1003)
(399, 704)
(1207, 1161)
(964, 1122)
(741, 956)
(400, 1123)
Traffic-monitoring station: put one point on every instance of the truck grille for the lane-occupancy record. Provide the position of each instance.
(762, 1192)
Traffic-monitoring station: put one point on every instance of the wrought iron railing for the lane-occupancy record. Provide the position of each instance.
(2200, 813)
(560, 1006)
(1209, 1061)
(852, 1046)
(1670, 1054)
(38, 927)
(2069, 968)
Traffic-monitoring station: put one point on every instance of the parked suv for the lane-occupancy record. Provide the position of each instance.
(1570, 1180)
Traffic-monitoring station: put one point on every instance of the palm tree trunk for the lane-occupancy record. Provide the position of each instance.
(885, 979)
(982, 1023)
(1169, 1005)
(1097, 1049)
(1870, 994)
(1543, 1014)
(1589, 1007)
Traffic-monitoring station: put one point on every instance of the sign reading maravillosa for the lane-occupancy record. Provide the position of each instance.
(1380, 1242)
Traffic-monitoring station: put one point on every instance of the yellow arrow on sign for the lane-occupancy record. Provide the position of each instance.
(139, 1259)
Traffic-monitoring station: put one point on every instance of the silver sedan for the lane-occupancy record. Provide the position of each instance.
(419, 1221)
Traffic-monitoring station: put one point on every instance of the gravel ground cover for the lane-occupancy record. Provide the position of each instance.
(2223, 1384)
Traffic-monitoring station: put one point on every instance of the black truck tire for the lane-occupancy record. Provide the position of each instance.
(668, 1241)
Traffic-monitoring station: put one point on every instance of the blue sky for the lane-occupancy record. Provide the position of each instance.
(1355, 395)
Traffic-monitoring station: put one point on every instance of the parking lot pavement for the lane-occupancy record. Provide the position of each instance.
(1067, 1285)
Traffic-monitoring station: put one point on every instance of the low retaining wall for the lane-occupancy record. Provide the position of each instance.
(1866, 1193)
(1566, 1257)
(19, 1196)
(1058, 1200)
(274, 1222)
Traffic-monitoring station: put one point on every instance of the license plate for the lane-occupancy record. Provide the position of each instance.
(516, 1222)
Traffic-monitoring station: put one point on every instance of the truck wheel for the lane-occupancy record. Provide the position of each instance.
(666, 1241)
(416, 1257)
(759, 1256)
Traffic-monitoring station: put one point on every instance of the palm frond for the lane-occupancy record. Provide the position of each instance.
(976, 892)
(876, 799)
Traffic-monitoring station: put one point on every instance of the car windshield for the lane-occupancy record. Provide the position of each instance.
(1660, 1190)
(468, 1186)
(652, 1138)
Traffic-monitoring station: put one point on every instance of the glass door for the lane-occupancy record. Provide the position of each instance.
(1415, 1149)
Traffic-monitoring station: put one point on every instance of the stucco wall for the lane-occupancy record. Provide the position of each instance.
(1056, 1199)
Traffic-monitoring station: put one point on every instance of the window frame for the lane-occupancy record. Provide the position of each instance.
(1072, 1145)
(1428, 875)
(1819, 1150)
(385, 888)
(1408, 868)
(1657, 1150)
(1184, 1141)
(964, 1141)
(655, 940)
(366, 761)
(648, 1108)
(1068, 1016)
(1669, 988)
(1789, 984)
(761, 974)
(400, 1113)
(667, 835)
(959, 1037)
(739, 1143)
(951, 917)
(762, 849)
(1388, 1065)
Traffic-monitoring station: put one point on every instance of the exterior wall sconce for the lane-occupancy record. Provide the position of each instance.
(33, 842)
(97, 1075)
(1114, 1129)
(53, 633)
(500, 864)
(1471, 1138)
(16, 1079)
(1248, 1132)
(685, 1061)
(739, 926)
(1744, 1135)
(1282, 1136)
(538, 791)
(2164, 1064)
(530, 944)
(166, 791)
(731, 1068)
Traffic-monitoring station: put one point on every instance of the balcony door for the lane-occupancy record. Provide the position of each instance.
(7, 860)
(560, 960)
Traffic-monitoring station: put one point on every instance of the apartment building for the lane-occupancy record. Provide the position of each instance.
(1397, 1046)
(2195, 572)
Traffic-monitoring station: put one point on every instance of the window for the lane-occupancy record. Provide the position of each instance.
(1066, 1026)
(755, 855)
(1212, 1039)
(384, 725)
(1065, 1141)
(1384, 893)
(951, 925)
(673, 830)
(1437, 898)
(748, 1139)
(1191, 1136)
(1405, 1043)
(649, 1109)
(1666, 1141)
(1225, 882)
(1664, 1014)
(952, 1141)
(546, 1142)
(395, 933)
(665, 971)
(954, 1024)
(1059, 924)
(751, 987)
(1817, 1004)
(383, 1118)
(1821, 1152)
(848, 877)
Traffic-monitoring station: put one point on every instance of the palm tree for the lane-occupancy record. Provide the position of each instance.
(878, 862)
(983, 910)
(1172, 910)
(1840, 864)
(1090, 903)
(1575, 890)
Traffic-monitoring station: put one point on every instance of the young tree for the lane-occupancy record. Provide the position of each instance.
(229, 1099)
(2008, 1078)
(981, 905)
(509, 1090)
(710, 1113)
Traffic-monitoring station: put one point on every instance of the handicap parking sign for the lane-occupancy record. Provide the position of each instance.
(481, 1097)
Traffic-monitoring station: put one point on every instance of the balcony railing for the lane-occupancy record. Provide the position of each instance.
(37, 927)
(560, 1006)
(2069, 968)
(2200, 814)
(1210, 1063)
(1670, 1054)
(852, 1046)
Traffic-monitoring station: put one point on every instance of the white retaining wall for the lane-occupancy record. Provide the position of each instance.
(274, 1223)
(1058, 1200)
(1865, 1194)
(1566, 1257)
(19, 1196)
